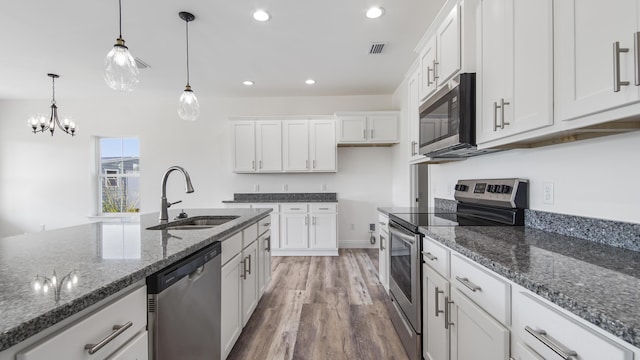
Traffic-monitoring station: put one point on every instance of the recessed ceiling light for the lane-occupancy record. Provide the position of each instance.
(375, 12)
(261, 15)
(248, 82)
(310, 82)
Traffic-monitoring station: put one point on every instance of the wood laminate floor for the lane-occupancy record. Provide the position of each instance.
(322, 308)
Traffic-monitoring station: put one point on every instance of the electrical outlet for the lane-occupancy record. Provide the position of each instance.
(547, 193)
(285, 187)
(372, 227)
(449, 188)
(256, 187)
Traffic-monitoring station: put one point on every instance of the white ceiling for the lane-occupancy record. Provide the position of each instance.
(327, 40)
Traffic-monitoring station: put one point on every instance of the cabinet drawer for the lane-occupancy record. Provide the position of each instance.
(383, 222)
(484, 288)
(274, 207)
(324, 208)
(264, 225)
(436, 256)
(69, 343)
(294, 208)
(534, 314)
(231, 247)
(249, 235)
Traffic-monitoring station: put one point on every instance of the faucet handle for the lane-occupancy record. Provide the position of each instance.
(173, 203)
(182, 215)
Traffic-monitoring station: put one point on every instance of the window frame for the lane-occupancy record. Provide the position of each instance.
(120, 176)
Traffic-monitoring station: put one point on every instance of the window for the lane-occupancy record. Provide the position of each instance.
(119, 180)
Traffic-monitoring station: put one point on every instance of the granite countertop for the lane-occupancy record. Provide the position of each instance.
(282, 197)
(596, 282)
(107, 257)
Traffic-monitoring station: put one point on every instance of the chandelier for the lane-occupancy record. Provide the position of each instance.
(40, 123)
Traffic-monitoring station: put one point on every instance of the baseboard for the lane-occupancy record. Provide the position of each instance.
(357, 244)
(304, 252)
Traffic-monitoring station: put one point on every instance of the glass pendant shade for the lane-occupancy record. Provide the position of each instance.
(189, 107)
(120, 69)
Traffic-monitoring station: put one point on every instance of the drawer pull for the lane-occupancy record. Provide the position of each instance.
(266, 224)
(295, 209)
(541, 335)
(471, 286)
(323, 208)
(117, 330)
(429, 256)
(382, 223)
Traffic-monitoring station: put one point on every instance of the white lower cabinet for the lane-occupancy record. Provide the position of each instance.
(435, 330)
(231, 301)
(383, 253)
(322, 234)
(124, 321)
(249, 276)
(475, 335)
(308, 229)
(294, 230)
(264, 261)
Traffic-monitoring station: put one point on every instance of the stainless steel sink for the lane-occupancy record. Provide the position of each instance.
(194, 223)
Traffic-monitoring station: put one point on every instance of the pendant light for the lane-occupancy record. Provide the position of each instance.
(39, 122)
(188, 108)
(120, 69)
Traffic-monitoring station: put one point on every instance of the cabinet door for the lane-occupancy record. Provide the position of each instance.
(137, 348)
(352, 129)
(250, 271)
(383, 128)
(448, 47)
(322, 144)
(293, 231)
(269, 145)
(413, 116)
(435, 337)
(475, 335)
(585, 58)
(265, 262)
(523, 352)
(231, 302)
(427, 63)
(244, 146)
(275, 231)
(323, 232)
(296, 145)
(383, 259)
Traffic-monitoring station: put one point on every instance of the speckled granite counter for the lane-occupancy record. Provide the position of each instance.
(108, 257)
(597, 282)
(282, 197)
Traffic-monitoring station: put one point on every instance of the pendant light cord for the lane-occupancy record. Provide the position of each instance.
(120, 16)
(187, 32)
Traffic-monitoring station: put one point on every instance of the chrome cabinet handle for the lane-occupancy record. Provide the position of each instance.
(295, 208)
(117, 330)
(636, 58)
(323, 208)
(495, 115)
(306, 220)
(429, 70)
(268, 241)
(244, 269)
(372, 134)
(249, 264)
(438, 311)
(253, 164)
(447, 314)
(559, 349)
(435, 72)
(617, 83)
(502, 104)
(260, 163)
(429, 256)
(471, 286)
(381, 242)
(266, 224)
(306, 164)
(413, 148)
(364, 134)
(382, 223)
(314, 163)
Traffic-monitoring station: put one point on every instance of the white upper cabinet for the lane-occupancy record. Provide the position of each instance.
(515, 68)
(322, 145)
(413, 115)
(448, 47)
(427, 63)
(361, 128)
(591, 76)
(269, 145)
(244, 146)
(296, 145)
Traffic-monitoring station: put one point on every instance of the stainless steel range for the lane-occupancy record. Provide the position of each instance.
(490, 202)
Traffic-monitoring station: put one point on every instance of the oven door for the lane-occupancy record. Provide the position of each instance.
(405, 267)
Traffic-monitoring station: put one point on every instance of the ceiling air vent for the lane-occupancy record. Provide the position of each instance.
(376, 48)
(141, 64)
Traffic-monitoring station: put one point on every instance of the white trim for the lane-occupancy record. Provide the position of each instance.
(304, 252)
(357, 244)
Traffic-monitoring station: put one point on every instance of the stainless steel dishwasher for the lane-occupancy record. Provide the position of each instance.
(183, 308)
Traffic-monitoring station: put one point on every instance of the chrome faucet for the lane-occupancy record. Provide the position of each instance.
(164, 216)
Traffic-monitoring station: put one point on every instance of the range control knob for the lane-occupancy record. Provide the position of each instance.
(490, 188)
(463, 187)
(506, 189)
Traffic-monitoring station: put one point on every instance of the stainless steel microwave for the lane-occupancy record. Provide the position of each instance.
(448, 120)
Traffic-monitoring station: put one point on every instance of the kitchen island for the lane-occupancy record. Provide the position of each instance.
(106, 257)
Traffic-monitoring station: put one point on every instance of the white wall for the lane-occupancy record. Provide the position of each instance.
(51, 180)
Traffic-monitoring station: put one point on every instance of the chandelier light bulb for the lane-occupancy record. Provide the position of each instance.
(189, 107)
(120, 69)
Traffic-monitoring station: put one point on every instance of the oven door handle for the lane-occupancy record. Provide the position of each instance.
(402, 235)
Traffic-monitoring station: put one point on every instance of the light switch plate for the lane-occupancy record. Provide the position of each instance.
(547, 193)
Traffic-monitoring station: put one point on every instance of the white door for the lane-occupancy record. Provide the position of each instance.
(585, 58)
(295, 145)
(352, 128)
(475, 335)
(244, 146)
(323, 231)
(448, 47)
(293, 231)
(413, 116)
(428, 83)
(231, 302)
(269, 145)
(322, 145)
(435, 290)
(383, 128)
(249, 281)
